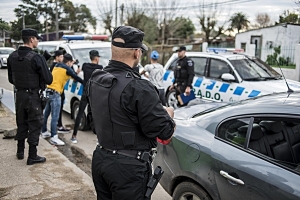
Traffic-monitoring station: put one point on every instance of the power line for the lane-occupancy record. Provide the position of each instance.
(196, 6)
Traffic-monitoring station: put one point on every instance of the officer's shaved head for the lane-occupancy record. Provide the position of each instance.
(121, 54)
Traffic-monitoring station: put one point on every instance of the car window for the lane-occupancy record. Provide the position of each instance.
(82, 55)
(217, 68)
(277, 139)
(250, 70)
(173, 65)
(6, 51)
(234, 131)
(199, 65)
(49, 48)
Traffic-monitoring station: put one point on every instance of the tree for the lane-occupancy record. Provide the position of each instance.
(239, 21)
(263, 20)
(4, 25)
(35, 11)
(105, 14)
(289, 17)
(184, 27)
(210, 22)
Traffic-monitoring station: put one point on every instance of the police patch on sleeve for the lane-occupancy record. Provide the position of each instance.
(190, 63)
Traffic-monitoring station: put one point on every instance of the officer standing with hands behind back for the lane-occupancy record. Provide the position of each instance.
(128, 117)
(28, 72)
(183, 73)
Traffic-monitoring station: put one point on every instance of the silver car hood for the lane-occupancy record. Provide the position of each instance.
(194, 107)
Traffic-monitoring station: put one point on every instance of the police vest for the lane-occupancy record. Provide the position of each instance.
(114, 129)
(24, 77)
(181, 71)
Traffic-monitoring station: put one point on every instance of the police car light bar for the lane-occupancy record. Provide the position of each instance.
(224, 50)
(85, 37)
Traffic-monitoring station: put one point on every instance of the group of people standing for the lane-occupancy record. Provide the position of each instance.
(129, 113)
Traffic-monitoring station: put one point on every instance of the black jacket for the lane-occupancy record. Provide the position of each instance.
(38, 65)
(126, 109)
(184, 71)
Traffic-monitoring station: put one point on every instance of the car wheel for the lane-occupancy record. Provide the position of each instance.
(84, 122)
(1, 65)
(188, 190)
(171, 99)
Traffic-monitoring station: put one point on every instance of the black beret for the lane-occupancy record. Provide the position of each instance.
(94, 53)
(30, 32)
(132, 37)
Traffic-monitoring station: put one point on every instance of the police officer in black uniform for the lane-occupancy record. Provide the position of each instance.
(128, 117)
(183, 73)
(28, 72)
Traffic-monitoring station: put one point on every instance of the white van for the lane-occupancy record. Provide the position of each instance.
(227, 77)
(79, 49)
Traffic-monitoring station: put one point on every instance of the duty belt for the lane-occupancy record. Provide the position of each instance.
(139, 155)
(27, 90)
(51, 91)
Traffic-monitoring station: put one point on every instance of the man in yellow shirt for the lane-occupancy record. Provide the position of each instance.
(61, 74)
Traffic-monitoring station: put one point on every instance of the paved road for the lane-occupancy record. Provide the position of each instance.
(86, 139)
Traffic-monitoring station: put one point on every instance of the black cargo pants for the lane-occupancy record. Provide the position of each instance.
(29, 116)
(117, 177)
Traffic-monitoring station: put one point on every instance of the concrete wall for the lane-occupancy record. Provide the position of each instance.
(293, 74)
(285, 36)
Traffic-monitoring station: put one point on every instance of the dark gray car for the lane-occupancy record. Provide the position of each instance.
(246, 150)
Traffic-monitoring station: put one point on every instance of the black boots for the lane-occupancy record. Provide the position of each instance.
(33, 158)
(37, 159)
(20, 150)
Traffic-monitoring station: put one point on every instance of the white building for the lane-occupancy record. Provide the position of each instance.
(265, 39)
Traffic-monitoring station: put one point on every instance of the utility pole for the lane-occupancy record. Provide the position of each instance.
(23, 20)
(56, 20)
(116, 21)
(163, 32)
(122, 11)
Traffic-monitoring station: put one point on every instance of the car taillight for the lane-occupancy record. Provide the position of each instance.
(164, 142)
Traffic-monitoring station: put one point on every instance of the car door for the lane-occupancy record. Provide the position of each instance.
(244, 173)
(216, 89)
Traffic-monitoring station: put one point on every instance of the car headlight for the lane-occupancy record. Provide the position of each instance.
(4, 59)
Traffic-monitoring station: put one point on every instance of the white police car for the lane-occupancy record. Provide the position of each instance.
(78, 46)
(227, 77)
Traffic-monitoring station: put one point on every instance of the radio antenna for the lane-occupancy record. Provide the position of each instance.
(289, 89)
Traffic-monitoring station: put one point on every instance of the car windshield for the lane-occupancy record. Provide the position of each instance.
(82, 55)
(6, 51)
(253, 69)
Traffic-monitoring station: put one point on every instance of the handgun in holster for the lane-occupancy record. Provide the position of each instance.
(154, 179)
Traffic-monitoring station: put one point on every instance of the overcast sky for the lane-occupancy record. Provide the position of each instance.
(250, 7)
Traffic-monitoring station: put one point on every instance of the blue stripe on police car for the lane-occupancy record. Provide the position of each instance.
(73, 88)
(238, 91)
(198, 82)
(211, 86)
(254, 93)
(224, 87)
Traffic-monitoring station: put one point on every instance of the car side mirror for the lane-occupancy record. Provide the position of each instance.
(227, 77)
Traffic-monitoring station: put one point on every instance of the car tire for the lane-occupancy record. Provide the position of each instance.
(188, 190)
(84, 125)
(1, 65)
(171, 99)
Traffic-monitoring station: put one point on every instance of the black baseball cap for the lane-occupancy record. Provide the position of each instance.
(94, 53)
(132, 37)
(181, 48)
(68, 57)
(30, 32)
(57, 53)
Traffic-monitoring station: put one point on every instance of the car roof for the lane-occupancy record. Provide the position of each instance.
(77, 44)
(226, 55)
